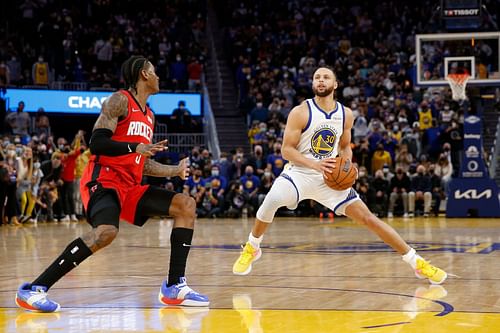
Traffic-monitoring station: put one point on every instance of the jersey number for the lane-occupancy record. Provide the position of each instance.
(138, 159)
(330, 139)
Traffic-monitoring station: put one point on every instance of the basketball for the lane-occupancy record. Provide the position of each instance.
(343, 176)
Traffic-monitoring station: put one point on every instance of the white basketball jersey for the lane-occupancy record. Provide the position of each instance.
(320, 139)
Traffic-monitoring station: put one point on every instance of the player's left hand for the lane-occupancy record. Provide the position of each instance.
(151, 149)
(183, 168)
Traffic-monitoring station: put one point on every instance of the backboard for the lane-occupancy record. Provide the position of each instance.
(474, 53)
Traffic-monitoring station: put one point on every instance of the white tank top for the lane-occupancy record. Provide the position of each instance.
(320, 138)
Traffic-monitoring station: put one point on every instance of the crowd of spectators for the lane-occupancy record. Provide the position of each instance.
(399, 129)
(407, 141)
(86, 41)
(39, 177)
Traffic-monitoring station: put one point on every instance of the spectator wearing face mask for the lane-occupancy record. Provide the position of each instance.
(403, 158)
(362, 154)
(254, 129)
(212, 203)
(24, 184)
(257, 160)
(178, 73)
(222, 181)
(181, 119)
(398, 190)
(225, 166)
(360, 127)
(380, 157)
(446, 116)
(437, 189)
(425, 116)
(51, 181)
(236, 199)
(420, 190)
(259, 112)
(10, 163)
(266, 181)
(389, 144)
(444, 171)
(276, 162)
(195, 185)
(251, 184)
(238, 163)
(380, 187)
(70, 154)
(431, 140)
(260, 137)
(386, 170)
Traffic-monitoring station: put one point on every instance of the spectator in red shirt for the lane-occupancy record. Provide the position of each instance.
(71, 153)
(195, 69)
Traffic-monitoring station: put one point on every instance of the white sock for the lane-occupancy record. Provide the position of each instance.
(255, 241)
(411, 258)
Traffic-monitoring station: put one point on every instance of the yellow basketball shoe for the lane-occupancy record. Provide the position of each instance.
(425, 270)
(243, 265)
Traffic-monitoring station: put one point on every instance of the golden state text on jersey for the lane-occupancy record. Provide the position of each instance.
(323, 141)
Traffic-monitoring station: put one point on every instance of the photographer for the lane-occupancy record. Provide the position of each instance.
(211, 204)
(236, 200)
(51, 180)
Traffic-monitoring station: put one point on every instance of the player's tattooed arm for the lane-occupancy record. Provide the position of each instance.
(153, 168)
(113, 108)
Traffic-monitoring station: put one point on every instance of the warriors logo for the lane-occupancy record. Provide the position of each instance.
(323, 142)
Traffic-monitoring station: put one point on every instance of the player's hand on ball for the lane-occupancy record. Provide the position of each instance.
(326, 165)
(183, 168)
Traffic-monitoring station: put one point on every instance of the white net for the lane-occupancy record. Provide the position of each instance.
(458, 83)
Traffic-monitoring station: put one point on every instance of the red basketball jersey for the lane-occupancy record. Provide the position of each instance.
(137, 127)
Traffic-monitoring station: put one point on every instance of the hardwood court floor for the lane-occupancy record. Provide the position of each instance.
(314, 276)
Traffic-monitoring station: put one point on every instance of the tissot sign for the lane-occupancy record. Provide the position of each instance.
(90, 102)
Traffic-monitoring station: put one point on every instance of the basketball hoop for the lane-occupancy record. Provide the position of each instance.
(458, 82)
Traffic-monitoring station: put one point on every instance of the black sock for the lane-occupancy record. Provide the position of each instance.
(180, 243)
(76, 252)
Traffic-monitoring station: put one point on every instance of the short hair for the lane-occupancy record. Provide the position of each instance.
(131, 69)
(327, 67)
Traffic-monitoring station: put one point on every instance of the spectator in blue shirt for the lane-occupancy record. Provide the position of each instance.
(215, 174)
(275, 161)
(195, 185)
(389, 144)
(178, 73)
(251, 185)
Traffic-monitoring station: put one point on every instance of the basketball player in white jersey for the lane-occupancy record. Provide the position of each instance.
(317, 131)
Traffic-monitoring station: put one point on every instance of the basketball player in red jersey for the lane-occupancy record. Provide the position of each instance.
(111, 189)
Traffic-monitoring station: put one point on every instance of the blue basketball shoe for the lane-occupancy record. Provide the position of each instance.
(181, 294)
(34, 298)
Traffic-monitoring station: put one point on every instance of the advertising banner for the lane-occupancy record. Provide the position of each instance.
(90, 102)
